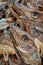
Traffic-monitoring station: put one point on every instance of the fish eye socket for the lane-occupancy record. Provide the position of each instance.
(35, 31)
(40, 5)
(18, 25)
(35, 15)
(40, 8)
(6, 7)
(1, 10)
(1, 56)
(25, 37)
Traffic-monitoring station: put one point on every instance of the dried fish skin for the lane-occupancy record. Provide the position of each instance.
(18, 10)
(20, 31)
(30, 59)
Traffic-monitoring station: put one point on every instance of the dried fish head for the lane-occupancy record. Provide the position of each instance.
(30, 56)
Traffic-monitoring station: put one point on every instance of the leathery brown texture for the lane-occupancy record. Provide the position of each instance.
(21, 32)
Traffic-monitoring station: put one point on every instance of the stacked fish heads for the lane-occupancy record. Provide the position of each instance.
(28, 43)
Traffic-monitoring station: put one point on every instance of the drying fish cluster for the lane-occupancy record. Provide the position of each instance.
(21, 32)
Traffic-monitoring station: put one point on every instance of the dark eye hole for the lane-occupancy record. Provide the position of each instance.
(1, 10)
(14, 59)
(25, 37)
(19, 1)
(6, 7)
(18, 25)
(40, 5)
(40, 8)
(35, 31)
(11, 56)
(35, 14)
(1, 56)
